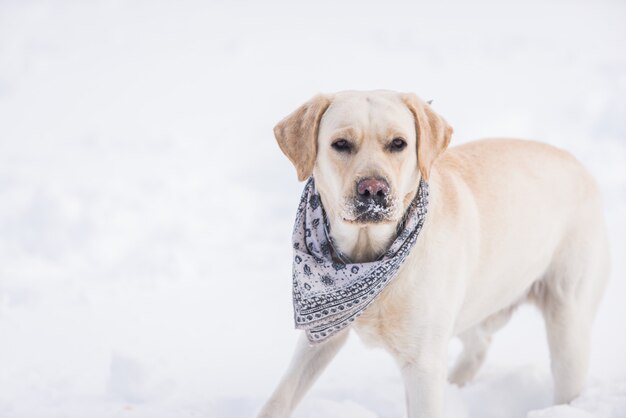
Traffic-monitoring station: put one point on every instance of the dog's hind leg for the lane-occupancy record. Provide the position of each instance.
(568, 299)
(476, 342)
(569, 340)
(306, 366)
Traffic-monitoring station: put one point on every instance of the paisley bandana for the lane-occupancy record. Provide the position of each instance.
(330, 292)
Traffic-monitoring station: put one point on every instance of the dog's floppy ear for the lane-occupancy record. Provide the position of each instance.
(297, 134)
(433, 133)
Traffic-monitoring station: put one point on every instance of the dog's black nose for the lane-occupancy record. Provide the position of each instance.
(372, 189)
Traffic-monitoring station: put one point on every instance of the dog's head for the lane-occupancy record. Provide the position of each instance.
(366, 150)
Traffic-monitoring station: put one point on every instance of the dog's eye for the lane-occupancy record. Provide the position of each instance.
(342, 145)
(397, 144)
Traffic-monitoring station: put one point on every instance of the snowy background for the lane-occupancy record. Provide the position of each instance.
(146, 211)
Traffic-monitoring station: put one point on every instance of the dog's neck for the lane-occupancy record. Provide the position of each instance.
(362, 243)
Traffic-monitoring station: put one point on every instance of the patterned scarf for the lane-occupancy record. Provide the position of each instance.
(330, 292)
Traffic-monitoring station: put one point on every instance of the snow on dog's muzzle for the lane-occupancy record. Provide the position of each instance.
(372, 201)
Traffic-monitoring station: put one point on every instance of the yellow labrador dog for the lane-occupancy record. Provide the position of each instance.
(509, 221)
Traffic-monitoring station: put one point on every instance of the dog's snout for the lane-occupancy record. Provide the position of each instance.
(372, 189)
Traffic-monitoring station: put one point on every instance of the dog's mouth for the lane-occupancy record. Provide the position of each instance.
(370, 212)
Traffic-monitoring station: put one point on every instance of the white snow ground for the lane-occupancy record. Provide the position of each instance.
(145, 210)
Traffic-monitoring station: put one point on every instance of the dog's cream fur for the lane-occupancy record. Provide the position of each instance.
(509, 221)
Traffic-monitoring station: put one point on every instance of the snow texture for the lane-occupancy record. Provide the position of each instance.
(138, 169)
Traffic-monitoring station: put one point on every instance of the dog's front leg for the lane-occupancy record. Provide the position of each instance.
(424, 375)
(306, 365)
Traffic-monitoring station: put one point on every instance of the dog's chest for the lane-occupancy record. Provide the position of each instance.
(387, 321)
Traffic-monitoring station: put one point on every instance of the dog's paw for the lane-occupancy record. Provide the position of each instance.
(462, 374)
